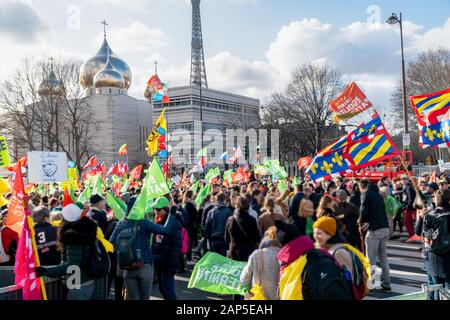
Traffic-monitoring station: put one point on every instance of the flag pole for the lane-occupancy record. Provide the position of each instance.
(33, 243)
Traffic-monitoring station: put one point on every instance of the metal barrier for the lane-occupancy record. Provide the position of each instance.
(443, 294)
(56, 290)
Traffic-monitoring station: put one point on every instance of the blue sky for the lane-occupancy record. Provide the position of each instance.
(250, 45)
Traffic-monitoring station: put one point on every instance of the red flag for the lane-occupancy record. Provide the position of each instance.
(304, 162)
(102, 168)
(26, 262)
(135, 174)
(67, 198)
(165, 169)
(22, 161)
(91, 162)
(351, 102)
(202, 162)
(123, 168)
(433, 177)
(16, 212)
(114, 169)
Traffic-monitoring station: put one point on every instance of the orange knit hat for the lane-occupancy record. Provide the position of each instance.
(326, 224)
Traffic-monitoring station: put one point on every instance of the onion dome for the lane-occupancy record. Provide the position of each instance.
(92, 66)
(108, 76)
(51, 86)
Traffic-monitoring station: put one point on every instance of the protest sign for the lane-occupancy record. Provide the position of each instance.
(47, 167)
(4, 154)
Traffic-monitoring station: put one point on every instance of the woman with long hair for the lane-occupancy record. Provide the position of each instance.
(269, 216)
(325, 208)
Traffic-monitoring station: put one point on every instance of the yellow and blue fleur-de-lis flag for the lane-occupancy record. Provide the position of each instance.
(367, 145)
(433, 115)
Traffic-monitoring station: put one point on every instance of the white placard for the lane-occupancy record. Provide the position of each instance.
(176, 180)
(47, 167)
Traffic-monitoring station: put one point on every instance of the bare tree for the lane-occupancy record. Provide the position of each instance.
(46, 110)
(302, 112)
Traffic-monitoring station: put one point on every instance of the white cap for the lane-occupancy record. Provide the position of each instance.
(71, 213)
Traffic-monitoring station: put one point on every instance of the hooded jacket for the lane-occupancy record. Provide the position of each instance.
(77, 239)
(372, 209)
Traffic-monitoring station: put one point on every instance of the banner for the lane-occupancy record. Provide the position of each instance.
(4, 154)
(47, 167)
(217, 274)
(351, 102)
(73, 178)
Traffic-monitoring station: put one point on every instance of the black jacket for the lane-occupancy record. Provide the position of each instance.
(372, 209)
(299, 222)
(216, 222)
(45, 235)
(101, 218)
(410, 196)
(166, 249)
(242, 244)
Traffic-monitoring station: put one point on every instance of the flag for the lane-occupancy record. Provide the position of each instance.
(85, 195)
(260, 170)
(5, 159)
(367, 145)
(204, 192)
(154, 186)
(433, 177)
(26, 262)
(114, 169)
(282, 186)
(304, 162)
(97, 187)
(212, 173)
(160, 128)
(135, 174)
(194, 187)
(275, 168)
(126, 184)
(212, 267)
(202, 153)
(22, 161)
(91, 163)
(227, 176)
(296, 181)
(123, 150)
(4, 186)
(16, 211)
(433, 115)
(117, 205)
(350, 103)
(67, 198)
(123, 169)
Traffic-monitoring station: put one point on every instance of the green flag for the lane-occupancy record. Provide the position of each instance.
(202, 195)
(170, 184)
(85, 195)
(392, 206)
(212, 173)
(117, 205)
(227, 176)
(194, 187)
(202, 153)
(125, 186)
(282, 186)
(97, 185)
(275, 168)
(217, 274)
(296, 181)
(156, 182)
(154, 186)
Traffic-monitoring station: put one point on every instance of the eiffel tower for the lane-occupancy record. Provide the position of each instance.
(198, 71)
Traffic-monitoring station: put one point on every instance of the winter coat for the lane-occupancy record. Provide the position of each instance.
(294, 206)
(166, 249)
(100, 217)
(372, 209)
(267, 220)
(347, 214)
(270, 271)
(241, 245)
(216, 222)
(77, 240)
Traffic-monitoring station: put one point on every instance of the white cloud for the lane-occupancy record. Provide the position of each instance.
(136, 37)
(433, 38)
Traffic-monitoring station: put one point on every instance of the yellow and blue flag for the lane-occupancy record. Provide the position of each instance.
(433, 115)
(367, 145)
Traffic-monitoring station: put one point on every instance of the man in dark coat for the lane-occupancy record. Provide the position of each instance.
(45, 235)
(98, 211)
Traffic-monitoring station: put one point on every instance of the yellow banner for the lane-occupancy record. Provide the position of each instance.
(4, 154)
(73, 178)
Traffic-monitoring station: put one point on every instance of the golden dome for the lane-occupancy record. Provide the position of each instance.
(92, 66)
(51, 86)
(108, 76)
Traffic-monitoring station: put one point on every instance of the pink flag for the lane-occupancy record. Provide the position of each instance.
(25, 264)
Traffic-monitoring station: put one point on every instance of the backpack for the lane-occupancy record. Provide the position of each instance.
(437, 232)
(98, 264)
(360, 277)
(324, 279)
(128, 255)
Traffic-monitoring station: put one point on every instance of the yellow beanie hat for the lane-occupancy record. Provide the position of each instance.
(326, 224)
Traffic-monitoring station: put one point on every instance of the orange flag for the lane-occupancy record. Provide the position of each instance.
(16, 211)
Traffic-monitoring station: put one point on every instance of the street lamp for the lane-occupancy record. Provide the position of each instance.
(394, 19)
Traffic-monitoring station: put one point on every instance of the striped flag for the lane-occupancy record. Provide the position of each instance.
(123, 150)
